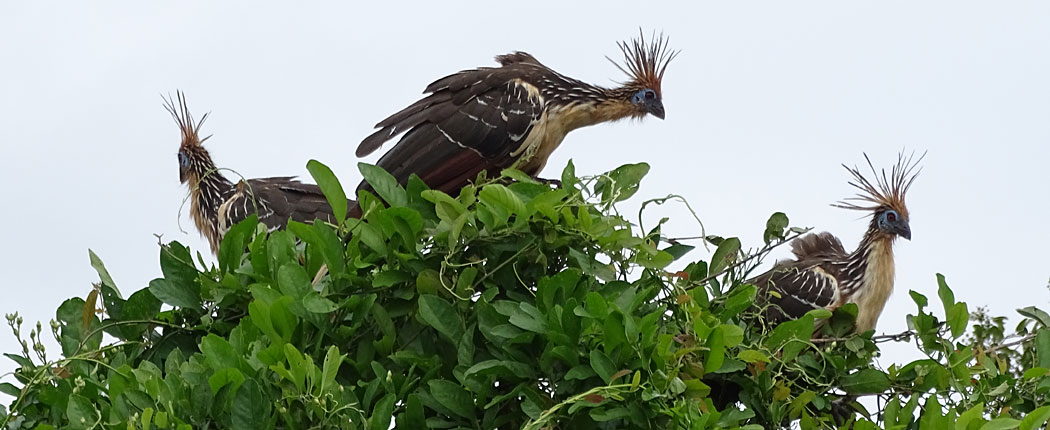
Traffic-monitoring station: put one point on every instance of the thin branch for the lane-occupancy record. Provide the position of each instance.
(765, 250)
(1019, 341)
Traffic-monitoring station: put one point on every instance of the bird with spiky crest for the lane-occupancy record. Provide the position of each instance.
(217, 204)
(824, 275)
(491, 118)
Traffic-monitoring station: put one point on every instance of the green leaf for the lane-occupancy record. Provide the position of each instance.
(918, 298)
(621, 183)
(1042, 347)
(752, 356)
(385, 184)
(967, 417)
(453, 397)
(1001, 423)
(1035, 419)
(957, 318)
(865, 381)
(325, 240)
(1035, 314)
(413, 417)
(250, 410)
(726, 250)
(313, 302)
(717, 353)
(602, 365)
(740, 298)
(438, 313)
(330, 186)
(228, 376)
(382, 413)
(80, 412)
(233, 243)
(568, 176)
(447, 208)
(775, 227)
(103, 274)
(502, 197)
(183, 295)
(332, 361)
(1035, 372)
(219, 354)
(945, 293)
(10, 389)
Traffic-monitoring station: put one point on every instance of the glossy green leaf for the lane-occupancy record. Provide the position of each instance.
(452, 396)
(775, 227)
(440, 315)
(330, 187)
(250, 410)
(385, 184)
(182, 295)
(724, 255)
(865, 381)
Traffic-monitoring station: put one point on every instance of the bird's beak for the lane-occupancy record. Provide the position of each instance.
(656, 108)
(903, 230)
(182, 176)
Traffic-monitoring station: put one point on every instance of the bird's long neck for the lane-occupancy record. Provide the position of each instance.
(869, 277)
(579, 104)
(207, 188)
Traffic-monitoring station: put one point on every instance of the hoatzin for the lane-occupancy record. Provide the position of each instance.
(824, 275)
(216, 203)
(492, 118)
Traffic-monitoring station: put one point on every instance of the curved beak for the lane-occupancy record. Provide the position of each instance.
(656, 108)
(903, 230)
(182, 176)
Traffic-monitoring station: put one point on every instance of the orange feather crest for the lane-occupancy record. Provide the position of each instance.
(885, 191)
(182, 116)
(645, 63)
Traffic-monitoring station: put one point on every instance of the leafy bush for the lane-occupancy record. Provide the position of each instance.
(511, 305)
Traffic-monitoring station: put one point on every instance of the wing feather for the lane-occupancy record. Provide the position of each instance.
(473, 121)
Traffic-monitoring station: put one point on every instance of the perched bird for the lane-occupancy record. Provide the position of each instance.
(216, 203)
(824, 275)
(515, 115)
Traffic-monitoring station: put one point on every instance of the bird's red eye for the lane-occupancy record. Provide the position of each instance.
(891, 217)
(650, 95)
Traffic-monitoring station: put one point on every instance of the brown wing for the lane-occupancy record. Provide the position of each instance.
(471, 121)
(817, 245)
(278, 200)
(793, 288)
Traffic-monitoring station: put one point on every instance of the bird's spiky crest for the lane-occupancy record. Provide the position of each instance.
(181, 114)
(645, 63)
(886, 191)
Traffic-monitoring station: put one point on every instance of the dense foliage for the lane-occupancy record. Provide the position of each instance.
(512, 305)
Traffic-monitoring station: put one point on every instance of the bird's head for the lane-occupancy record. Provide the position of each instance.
(884, 197)
(192, 156)
(644, 63)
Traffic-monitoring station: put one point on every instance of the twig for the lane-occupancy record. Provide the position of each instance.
(1021, 340)
(662, 200)
(765, 250)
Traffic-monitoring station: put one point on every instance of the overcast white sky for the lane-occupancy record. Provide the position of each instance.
(763, 104)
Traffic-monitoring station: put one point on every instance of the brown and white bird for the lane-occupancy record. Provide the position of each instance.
(825, 276)
(515, 115)
(217, 204)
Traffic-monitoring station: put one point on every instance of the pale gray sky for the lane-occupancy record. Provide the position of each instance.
(763, 104)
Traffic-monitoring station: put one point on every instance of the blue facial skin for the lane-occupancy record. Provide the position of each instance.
(891, 222)
(649, 102)
(184, 166)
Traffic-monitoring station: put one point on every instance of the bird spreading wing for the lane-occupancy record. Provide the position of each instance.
(794, 287)
(471, 121)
